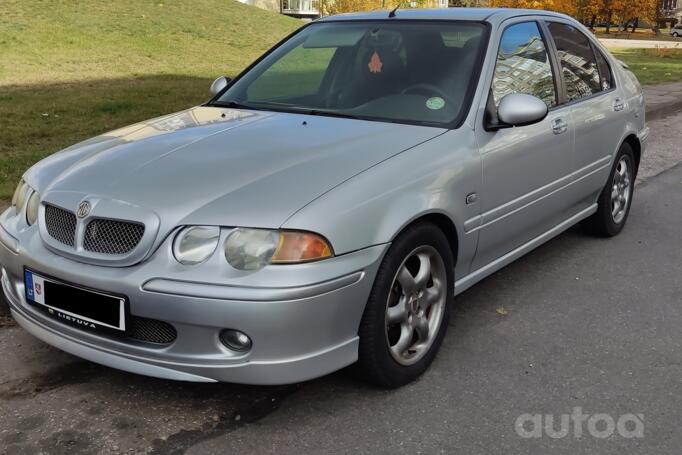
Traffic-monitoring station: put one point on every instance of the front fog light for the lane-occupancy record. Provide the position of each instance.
(195, 244)
(32, 208)
(235, 340)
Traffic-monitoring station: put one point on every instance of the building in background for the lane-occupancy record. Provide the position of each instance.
(303, 9)
(672, 11)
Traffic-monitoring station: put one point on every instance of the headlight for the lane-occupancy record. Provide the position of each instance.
(250, 249)
(20, 195)
(253, 249)
(193, 245)
(32, 208)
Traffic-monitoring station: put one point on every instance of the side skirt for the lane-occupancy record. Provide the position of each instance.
(474, 277)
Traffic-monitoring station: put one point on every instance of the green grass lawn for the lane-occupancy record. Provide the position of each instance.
(70, 70)
(653, 66)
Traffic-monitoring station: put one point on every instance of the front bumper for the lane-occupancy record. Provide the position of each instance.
(302, 319)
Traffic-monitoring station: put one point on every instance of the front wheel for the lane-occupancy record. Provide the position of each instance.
(407, 312)
(616, 197)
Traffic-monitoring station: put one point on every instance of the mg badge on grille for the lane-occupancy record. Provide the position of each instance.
(83, 209)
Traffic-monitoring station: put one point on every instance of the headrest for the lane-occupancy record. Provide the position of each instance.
(471, 45)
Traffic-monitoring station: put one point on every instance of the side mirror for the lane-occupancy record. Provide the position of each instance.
(518, 109)
(219, 84)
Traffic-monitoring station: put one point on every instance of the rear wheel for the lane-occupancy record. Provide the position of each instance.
(616, 197)
(407, 313)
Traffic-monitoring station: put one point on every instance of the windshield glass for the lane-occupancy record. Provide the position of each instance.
(412, 72)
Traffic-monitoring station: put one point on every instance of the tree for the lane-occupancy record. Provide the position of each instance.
(587, 11)
(347, 6)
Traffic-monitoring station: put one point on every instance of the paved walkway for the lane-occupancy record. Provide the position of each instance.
(640, 43)
(663, 99)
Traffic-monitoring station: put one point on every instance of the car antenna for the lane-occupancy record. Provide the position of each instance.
(392, 13)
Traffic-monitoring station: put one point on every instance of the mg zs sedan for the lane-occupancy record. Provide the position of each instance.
(325, 206)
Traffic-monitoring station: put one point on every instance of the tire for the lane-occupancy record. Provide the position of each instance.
(675, 34)
(607, 221)
(418, 320)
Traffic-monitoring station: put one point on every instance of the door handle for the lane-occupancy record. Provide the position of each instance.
(618, 105)
(559, 126)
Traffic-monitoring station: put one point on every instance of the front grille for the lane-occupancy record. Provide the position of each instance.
(151, 331)
(111, 236)
(60, 224)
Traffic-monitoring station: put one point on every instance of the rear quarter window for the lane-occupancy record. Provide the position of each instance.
(605, 73)
(578, 62)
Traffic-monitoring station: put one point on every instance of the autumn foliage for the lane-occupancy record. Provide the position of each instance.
(589, 11)
(345, 6)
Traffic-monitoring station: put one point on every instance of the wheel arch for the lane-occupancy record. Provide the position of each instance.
(633, 141)
(442, 222)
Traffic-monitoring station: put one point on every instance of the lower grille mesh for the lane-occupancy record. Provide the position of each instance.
(151, 331)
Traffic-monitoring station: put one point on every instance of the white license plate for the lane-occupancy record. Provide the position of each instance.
(81, 307)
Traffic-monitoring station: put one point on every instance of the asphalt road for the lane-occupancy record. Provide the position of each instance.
(581, 322)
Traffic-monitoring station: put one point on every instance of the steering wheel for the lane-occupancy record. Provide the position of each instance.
(428, 90)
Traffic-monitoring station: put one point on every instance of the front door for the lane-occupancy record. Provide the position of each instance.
(526, 170)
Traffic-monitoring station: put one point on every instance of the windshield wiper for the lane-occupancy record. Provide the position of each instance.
(233, 105)
(281, 107)
(330, 114)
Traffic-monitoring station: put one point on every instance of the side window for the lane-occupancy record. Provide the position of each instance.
(523, 65)
(578, 63)
(604, 70)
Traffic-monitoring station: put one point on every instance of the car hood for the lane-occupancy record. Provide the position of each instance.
(215, 166)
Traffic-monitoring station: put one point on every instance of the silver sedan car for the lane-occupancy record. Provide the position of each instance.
(326, 205)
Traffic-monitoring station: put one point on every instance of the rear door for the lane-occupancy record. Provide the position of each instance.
(597, 108)
(526, 170)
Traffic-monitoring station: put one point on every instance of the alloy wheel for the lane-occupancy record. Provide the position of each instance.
(415, 305)
(620, 190)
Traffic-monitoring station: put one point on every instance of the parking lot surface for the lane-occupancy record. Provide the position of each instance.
(580, 323)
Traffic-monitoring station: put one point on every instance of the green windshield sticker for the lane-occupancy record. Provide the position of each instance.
(435, 103)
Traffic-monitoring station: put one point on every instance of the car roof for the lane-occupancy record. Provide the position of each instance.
(495, 15)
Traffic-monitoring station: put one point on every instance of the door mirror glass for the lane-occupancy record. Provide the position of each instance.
(219, 84)
(518, 109)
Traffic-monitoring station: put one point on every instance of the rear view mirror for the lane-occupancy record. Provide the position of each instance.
(518, 109)
(219, 84)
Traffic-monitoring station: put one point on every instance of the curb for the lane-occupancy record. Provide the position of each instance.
(663, 110)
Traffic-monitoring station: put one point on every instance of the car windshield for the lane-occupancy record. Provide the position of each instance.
(396, 71)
